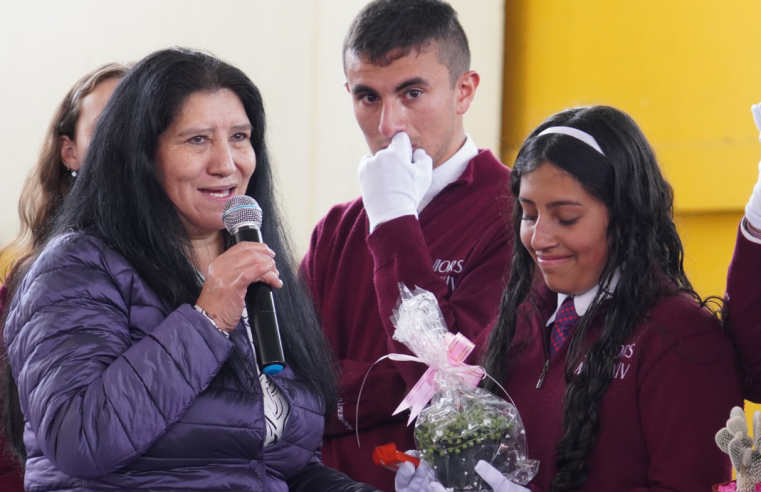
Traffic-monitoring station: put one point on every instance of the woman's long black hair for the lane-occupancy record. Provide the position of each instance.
(643, 246)
(118, 197)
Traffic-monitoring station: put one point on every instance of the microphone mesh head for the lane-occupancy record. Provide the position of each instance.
(241, 210)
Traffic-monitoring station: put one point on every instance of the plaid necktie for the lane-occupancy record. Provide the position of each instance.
(565, 318)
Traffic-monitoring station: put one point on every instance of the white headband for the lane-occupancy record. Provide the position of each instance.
(575, 133)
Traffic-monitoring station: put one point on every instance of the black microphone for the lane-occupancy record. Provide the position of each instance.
(243, 219)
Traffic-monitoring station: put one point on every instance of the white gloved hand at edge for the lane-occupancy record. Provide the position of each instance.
(753, 208)
(493, 477)
(756, 110)
(394, 180)
(742, 450)
(411, 479)
(496, 480)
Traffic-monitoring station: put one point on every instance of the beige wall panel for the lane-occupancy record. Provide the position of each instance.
(290, 48)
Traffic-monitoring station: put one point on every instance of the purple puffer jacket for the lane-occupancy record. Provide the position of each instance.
(119, 393)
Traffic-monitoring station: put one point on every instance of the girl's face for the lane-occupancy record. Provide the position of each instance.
(564, 229)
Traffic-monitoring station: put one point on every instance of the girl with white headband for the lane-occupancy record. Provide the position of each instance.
(621, 375)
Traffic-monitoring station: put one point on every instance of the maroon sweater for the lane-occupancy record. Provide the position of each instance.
(11, 472)
(458, 249)
(675, 383)
(742, 310)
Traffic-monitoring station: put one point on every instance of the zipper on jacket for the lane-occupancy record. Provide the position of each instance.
(544, 372)
(545, 346)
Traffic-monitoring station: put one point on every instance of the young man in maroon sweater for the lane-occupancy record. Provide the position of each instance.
(432, 214)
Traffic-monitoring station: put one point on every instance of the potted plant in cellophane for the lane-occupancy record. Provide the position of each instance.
(462, 424)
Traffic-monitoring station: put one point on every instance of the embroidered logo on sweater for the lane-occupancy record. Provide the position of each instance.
(340, 414)
(621, 369)
(448, 268)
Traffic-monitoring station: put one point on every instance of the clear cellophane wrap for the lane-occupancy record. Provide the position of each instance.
(462, 423)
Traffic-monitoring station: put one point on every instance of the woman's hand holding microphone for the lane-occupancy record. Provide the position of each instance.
(228, 277)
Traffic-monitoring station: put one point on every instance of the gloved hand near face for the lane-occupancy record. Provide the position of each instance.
(394, 180)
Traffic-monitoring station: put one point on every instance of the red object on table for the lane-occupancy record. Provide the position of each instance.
(387, 456)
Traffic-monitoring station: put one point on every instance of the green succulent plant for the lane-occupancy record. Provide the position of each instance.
(472, 427)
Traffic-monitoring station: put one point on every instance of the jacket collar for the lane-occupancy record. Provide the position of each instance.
(449, 171)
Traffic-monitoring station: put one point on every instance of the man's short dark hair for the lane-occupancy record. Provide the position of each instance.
(386, 30)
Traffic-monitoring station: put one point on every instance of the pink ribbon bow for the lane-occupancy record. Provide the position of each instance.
(458, 349)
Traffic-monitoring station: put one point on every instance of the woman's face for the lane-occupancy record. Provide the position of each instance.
(564, 229)
(204, 158)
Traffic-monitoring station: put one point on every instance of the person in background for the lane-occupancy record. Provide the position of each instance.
(743, 296)
(63, 152)
(127, 333)
(621, 374)
(431, 215)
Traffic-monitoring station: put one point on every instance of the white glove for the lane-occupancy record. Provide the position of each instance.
(394, 180)
(496, 480)
(753, 208)
(493, 477)
(411, 479)
(734, 440)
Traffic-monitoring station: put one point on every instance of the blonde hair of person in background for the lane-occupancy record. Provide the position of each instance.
(62, 153)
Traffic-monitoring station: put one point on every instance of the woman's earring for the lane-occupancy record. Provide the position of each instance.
(73, 172)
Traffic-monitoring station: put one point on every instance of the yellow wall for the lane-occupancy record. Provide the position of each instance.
(687, 71)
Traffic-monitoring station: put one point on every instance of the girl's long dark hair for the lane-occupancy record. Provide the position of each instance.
(643, 246)
(118, 197)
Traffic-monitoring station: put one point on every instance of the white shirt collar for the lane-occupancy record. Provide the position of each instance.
(449, 171)
(582, 302)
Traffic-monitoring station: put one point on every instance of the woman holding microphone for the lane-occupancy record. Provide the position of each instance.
(125, 334)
